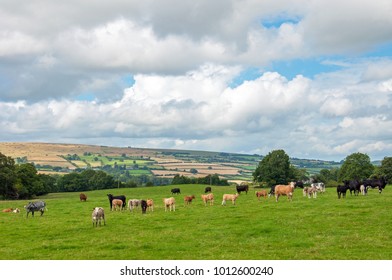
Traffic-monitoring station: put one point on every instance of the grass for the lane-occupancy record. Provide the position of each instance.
(323, 228)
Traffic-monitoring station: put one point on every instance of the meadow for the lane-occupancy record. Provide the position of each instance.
(354, 228)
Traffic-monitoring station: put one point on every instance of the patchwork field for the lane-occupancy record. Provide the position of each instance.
(358, 227)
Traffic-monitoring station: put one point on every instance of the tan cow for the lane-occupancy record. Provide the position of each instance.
(117, 203)
(170, 203)
(208, 197)
(150, 204)
(188, 199)
(287, 190)
(232, 197)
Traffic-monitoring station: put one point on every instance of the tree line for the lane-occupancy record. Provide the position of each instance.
(275, 168)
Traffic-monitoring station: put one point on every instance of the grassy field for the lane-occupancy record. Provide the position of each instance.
(304, 229)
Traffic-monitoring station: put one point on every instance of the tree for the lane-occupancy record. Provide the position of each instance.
(273, 169)
(356, 166)
(386, 168)
(28, 181)
(7, 177)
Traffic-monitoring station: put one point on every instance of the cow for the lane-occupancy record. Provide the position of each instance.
(261, 193)
(7, 210)
(207, 190)
(150, 204)
(208, 197)
(98, 215)
(188, 199)
(143, 206)
(117, 203)
(132, 203)
(375, 183)
(83, 197)
(242, 188)
(232, 197)
(363, 190)
(353, 186)
(122, 197)
(320, 187)
(312, 191)
(299, 184)
(35, 206)
(287, 190)
(341, 190)
(170, 203)
(16, 210)
(176, 191)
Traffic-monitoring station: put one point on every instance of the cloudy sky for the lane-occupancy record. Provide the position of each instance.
(311, 77)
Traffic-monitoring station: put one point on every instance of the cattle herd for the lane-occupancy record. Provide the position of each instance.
(118, 203)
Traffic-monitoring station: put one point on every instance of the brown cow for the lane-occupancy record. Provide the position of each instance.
(150, 204)
(83, 197)
(284, 190)
(117, 203)
(261, 193)
(188, 199)
(7, 210)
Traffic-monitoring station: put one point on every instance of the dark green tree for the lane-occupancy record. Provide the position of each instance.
(386, 168)
(356, 166)
(28, 181)
(274, 168)
(7, 177)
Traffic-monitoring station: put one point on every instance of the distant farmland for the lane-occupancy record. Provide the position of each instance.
(64, 158)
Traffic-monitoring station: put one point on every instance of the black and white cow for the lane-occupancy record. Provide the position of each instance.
(35, 206)
(375, 183)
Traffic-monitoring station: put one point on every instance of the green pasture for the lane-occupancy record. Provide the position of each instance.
(357, 227)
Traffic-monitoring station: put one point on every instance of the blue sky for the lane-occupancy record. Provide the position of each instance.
(311, 77)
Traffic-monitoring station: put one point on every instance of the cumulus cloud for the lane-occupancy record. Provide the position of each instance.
(161, 75)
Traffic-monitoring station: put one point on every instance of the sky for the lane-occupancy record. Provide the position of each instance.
(313, 78)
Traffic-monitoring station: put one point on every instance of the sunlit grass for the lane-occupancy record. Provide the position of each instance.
(323, 228)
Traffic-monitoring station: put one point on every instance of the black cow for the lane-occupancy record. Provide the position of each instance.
(121, 197)
(207, 189)
(35, 206)
(299, 184)
(242, 188)
(176, 190)
(341, 190)
(375, 183)
(144, 206)
(353, 186)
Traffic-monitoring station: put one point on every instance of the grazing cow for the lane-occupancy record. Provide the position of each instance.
(341, 190)
(144, 206)
(375, 183)
(232, 197)
(16, 210)
(242, 188)
(353, 186)
(176, 190)
(98, 215)
(284, 190)
(207, 190)
(7, 210)
(312, 191)
(150, 204)
(117, 203)
(299, 184)
(261, 193)
(35, 206)
(83, 197)
(132, 203)
(188, 199)
(122, 197)
(305, 191)
(170, 203)
(208, 197)
(320, 187)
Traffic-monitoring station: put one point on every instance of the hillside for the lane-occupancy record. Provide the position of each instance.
(163, 163)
